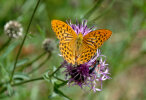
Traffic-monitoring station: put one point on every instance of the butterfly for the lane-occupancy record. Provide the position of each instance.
(76, 48)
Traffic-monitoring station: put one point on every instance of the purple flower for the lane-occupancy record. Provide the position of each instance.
(78, 74)
(88, 74)
(81, 28)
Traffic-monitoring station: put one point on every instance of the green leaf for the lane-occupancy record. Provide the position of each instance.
(21, 76)
(22, 62)
(4, 75)
(41, 31)
(9, 49)
(46, 76)
(30, 35)
(10, 89)
(60, 85)
(57, 91)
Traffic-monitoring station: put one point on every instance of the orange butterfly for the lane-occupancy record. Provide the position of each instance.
(76, 48)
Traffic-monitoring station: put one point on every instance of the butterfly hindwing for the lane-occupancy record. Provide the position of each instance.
(86, 53)
(67, 52)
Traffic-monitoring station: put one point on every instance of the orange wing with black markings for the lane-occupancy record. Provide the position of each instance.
(91, 42)
(63, 31)
(67, 38)
(69, 48)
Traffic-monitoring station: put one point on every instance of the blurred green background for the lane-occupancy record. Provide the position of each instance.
(125, 50)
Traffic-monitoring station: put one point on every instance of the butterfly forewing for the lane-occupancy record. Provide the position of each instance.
(63, 31)
(67, 52)
(96, 38)
(67, 38)
(91, 42)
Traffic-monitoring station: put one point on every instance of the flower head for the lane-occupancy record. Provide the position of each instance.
(81, 27)
(48, 45)
(13, 29)
(88, 74)
(78, 74)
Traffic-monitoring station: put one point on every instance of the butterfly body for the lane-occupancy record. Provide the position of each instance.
(79, 40)
(78, 48)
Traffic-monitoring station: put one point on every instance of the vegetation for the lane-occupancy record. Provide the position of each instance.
(28, 71)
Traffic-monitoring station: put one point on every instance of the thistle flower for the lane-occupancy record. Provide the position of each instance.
(13, 29)
(48, 45)
(88, 74)
(81, 28)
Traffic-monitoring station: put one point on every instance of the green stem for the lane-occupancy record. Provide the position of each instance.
(20, 83)
(104, 12)
(39, 78)
(33, 70)
(59, 79)
(56, 70)
(97, 5)
(35, 79)
(24, 40)
(62, 84)
(31, 62)
(5, 45)
(59, 92)
(27, 81)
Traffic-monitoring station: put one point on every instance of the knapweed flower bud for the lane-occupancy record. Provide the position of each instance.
(48, 45)
(13, 29)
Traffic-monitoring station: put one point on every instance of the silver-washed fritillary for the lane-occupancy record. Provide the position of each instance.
(78, 49)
